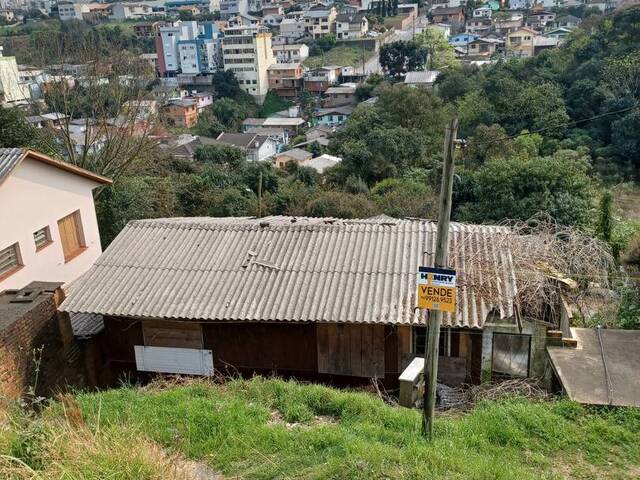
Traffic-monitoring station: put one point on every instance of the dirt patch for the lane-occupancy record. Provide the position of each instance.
(192, 470)
(276, 418)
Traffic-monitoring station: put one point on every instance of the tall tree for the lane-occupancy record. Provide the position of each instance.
(398, 58)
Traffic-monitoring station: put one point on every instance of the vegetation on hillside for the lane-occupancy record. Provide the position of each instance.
(276, 429)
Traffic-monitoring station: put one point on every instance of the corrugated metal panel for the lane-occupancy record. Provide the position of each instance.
(285, 268)
(86, 325)
(187, 361)
(9, 158)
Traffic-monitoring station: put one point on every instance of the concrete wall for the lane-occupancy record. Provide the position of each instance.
(537, 358)
(36, 195)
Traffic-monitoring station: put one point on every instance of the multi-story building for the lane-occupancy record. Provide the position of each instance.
(189, 48)
(248, 54)
(291, 28)
(320, 79)
(320, 21)
(294, 53)
(231, 8)
(201, 54)
(11, 90)
(181, 112)
(349, 25)
(286, 79)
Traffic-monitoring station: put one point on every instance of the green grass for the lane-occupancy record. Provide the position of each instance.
(342, 56)
(263, 429)
(272, 104)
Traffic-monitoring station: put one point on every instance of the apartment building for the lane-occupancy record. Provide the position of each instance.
(320, 21)
(189, 48)
(247, 52)
(232, 8)
(286, 79)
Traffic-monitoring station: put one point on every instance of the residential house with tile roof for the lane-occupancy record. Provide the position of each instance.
(49, 231)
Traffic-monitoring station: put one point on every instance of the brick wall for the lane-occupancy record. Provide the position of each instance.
(31, 334)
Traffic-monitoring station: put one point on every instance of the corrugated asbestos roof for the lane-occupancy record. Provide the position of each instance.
(9, 158)
(285, 269)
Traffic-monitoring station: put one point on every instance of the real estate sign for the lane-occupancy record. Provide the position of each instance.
(437, 289)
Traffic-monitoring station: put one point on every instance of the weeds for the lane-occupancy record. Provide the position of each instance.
(270, 428)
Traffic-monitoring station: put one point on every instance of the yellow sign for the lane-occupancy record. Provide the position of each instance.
(437, 289)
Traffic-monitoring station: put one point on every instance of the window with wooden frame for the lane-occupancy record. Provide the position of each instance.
(42, 238)
(71, 236)
(10, 260)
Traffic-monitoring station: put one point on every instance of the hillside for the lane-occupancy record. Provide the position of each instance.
(276, 429)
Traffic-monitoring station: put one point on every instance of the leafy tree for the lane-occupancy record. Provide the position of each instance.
(441, 52)
(208, 124)
(519, 188)
(229, 113)
(454, 83)
(226, 84)
(15, 131)
(402, 197)
(340, 205)
(221, 155)
(326, 42)
(625, 140)
(131, 198)
(398, 58)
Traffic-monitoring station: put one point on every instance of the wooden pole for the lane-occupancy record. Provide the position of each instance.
(442, 250)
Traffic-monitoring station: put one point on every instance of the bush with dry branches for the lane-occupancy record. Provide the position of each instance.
(547, 262)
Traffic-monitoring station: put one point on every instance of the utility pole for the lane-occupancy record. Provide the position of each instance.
(260, 195)
(442, 250)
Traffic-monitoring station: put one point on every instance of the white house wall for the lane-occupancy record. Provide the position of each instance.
(36, 195)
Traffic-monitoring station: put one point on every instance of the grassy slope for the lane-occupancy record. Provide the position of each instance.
(343, 56)
(276, 429)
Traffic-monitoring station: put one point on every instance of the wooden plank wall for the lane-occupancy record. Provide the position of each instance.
(351, 350)
(289, 347)
(164, 333)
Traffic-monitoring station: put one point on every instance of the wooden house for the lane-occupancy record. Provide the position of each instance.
(316, 298)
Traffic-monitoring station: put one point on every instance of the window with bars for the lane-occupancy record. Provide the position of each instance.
(42, 238)
(71, 236)
(10, 260)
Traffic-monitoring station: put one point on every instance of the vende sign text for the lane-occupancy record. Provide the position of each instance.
(437, 289)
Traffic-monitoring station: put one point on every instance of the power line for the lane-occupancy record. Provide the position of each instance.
(564, 125)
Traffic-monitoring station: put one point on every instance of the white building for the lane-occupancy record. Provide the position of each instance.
(294, 53)
(55, 236)
(482, 12)
(257, 147)
(291, 28)
(69, 11)
(247, 52)
(11, 90)
(126, 11)
(189, 48)
(349, 26)
(232, 8)
(320, 21)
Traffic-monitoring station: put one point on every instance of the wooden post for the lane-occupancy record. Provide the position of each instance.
(442, 249)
